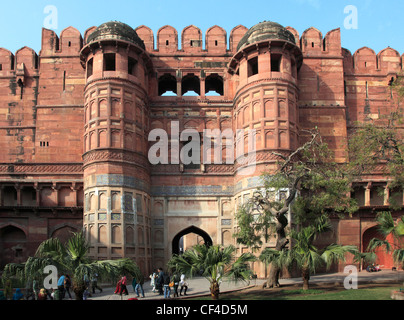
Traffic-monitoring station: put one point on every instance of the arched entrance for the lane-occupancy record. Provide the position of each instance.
(177, 243)
(12, 245)
(384, 259)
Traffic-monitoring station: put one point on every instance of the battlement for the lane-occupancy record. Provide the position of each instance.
(311, 42)
(69, 43)
(191, 39)
(24, 62)
(366, 61)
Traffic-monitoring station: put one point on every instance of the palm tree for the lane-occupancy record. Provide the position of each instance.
(305, 255)
(387, 226)
(215, 263)
(71, 258)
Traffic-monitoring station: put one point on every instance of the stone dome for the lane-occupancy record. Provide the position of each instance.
(115, 30)
(266, 30)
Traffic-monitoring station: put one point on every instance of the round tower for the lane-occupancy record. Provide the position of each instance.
(116, 173)
(265, 69)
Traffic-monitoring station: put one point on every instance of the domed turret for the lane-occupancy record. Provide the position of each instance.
(115, 30)
(265, 67)
(266, 30)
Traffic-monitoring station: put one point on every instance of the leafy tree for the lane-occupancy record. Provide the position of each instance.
(215, 263)
(304, 254)
(307, 181)
(374, 146)
(378, 143)
(71, 258)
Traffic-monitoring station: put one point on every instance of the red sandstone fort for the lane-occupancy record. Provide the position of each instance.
(75, 119)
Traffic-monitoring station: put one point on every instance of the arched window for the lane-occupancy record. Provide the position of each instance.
(191, 85)
(214, 85)
(167, 85)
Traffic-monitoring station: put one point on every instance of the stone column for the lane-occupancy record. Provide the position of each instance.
(386, 195)
(38, 195)
(367, 194)
(18, 190)
(202, 87)
(1, 195)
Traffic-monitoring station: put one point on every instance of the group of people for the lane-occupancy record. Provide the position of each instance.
(164, 283)
(137, 284)
(94, 285)
(7, 294)
(34, 292)
(160, 281)
(373, 268)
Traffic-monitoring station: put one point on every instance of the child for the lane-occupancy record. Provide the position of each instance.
(86, 293)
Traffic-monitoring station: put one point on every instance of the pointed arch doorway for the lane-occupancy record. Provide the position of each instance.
(384, 259)
(178, 244)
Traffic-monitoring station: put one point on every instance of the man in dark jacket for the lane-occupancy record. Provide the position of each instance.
(160, 281)
(167, 289)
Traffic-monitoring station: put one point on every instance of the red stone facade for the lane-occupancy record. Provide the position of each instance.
(75, 120)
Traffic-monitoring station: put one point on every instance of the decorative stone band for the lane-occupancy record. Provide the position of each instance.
(264, 156)
(117, 180)
(40, 168)
(101, 155)
(220, 190)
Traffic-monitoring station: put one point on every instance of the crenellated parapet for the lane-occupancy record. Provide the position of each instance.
(20, 66)
(69, 43)
(191, 40)
(366, 61)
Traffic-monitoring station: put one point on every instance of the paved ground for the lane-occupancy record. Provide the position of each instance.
(200, 286)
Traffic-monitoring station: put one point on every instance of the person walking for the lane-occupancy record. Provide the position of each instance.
(118, 287)
(160, 281)
(8, 290)
(94, 283)
(35, 289)
(18, 295)
(184, 285)
(139, 285)
(124, 289)
(42, 295)
(166, 284)
(61, 287)
(68, 284)
(29, 293)
(176, 280)
(86, 293)
(153, 281)
(134, 284)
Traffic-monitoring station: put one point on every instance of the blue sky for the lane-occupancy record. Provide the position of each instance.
(380, 24)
